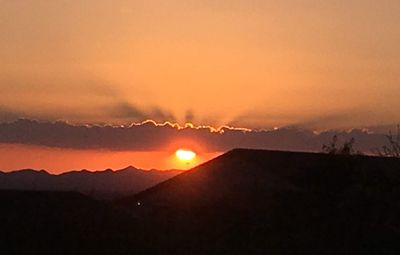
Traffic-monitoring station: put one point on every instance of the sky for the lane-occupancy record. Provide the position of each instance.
(254, 64)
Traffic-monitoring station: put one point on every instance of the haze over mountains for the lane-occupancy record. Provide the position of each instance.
(99, 184)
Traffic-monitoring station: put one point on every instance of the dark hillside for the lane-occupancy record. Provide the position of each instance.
(254, 201)
(37, 222)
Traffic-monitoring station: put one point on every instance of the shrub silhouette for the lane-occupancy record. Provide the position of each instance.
(393, 149)
(333, 148)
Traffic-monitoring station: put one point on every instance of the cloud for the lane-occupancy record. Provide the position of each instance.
(160, 115)
(57, 84)
(75, 98)
(189, 116)
(127, 111)
(131, 113)
(149, 136)
(7, 115)
(344, 118)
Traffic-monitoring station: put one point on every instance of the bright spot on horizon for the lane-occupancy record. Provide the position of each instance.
(185, 155)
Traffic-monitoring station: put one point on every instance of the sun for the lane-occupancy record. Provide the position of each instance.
(185, 155)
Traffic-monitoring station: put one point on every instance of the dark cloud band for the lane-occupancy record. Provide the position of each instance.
(149, 136)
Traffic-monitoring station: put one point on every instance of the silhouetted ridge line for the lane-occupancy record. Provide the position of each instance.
(257, 202)
(101, 184)
(247, 155)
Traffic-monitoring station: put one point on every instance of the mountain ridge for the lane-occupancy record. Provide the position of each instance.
(234, 153)
(106, 183)
(254, 201)
(130, 167)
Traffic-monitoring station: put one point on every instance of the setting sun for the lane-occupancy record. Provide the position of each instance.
(185, 155)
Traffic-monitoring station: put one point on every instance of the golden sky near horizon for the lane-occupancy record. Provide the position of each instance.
(56, 160)
(252, 63)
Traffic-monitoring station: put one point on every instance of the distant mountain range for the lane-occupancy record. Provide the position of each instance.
(99, 184)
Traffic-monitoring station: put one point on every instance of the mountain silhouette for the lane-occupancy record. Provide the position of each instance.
(100, 184)
(258, 202)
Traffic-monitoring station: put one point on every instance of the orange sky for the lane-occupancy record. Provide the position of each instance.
(251, 63)
(244, 63)
(56, 160)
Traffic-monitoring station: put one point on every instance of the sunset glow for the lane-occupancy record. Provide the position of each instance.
(105, 83)
(58, 160)
(185, 155)
(199, 126)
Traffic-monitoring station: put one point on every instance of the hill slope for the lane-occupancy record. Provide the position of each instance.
(254, 201)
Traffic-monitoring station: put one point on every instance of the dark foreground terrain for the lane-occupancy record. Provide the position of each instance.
(243, 202)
